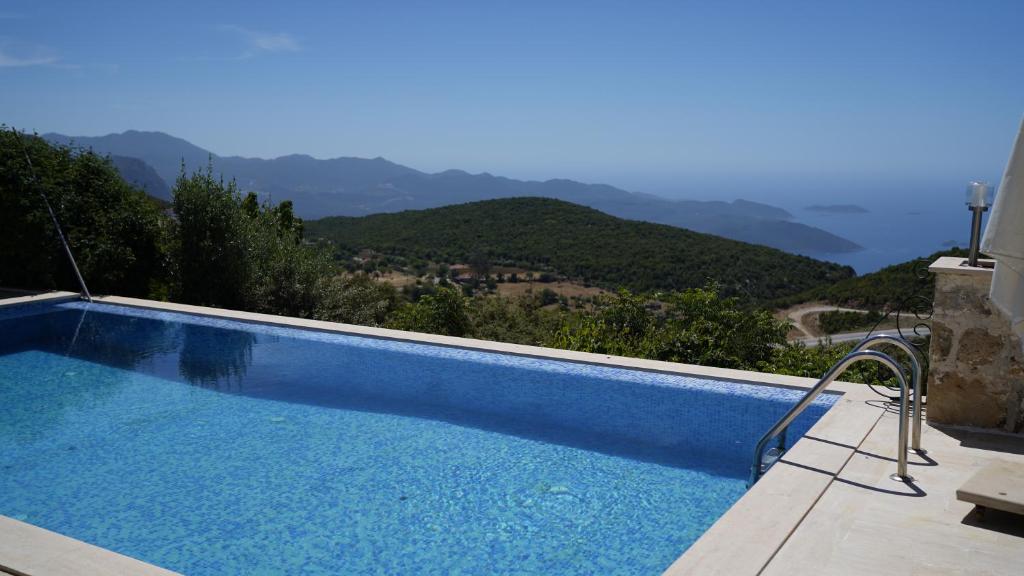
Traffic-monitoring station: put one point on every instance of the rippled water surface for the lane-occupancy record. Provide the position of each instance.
(215, 447)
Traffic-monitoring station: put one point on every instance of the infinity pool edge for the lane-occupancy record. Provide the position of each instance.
(742, 541)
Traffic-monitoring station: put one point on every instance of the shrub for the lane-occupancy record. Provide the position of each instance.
(355, 299)
(115, 231)
(697, 327)
(836, 321)
(444, 312)
(232, 252)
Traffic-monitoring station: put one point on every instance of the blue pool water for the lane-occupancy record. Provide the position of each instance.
(214, 447)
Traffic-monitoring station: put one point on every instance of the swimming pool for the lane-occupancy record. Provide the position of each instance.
(210, 446)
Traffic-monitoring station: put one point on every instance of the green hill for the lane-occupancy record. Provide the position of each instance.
(884, 289)
(582, 244)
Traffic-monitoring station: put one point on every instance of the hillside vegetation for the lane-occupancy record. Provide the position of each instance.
(583, 244)
(881, 290)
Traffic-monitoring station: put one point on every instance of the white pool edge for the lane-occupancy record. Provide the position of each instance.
(742, 541)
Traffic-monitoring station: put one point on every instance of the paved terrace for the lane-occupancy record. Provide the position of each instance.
(866, 523)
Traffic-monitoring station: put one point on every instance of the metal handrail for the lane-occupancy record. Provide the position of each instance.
(916, 377)
(829, 377)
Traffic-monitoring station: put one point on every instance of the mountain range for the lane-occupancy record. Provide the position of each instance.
(349, 186)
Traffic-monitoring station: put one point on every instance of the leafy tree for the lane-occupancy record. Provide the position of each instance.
(287, 223)
(444, 312)
(704, 328)
(548, 296)
(621, 325)
(211, 265)
(231, 252)
(114, 230)
(480, 264)
(518, 320)
(285, 275)
(355, 299)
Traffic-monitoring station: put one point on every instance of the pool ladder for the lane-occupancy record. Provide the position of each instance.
(861, 353)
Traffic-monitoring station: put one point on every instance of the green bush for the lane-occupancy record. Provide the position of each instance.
(517, 320)
(697, 326)
(836, 321)
(355, 299)
(231, 252)
(443, 312)
(115, 231)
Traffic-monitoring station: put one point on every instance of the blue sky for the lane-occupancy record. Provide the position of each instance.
(694, 97)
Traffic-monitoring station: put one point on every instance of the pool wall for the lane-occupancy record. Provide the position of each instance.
(741, 542)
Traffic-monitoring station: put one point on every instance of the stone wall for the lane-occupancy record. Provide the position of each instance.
(976, 369)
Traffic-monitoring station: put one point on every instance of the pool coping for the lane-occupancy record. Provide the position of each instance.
(743, 541)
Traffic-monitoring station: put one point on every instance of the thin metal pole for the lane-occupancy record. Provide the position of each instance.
(972, 256)
(53, 217)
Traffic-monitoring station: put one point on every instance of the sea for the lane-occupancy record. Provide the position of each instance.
(900, 223)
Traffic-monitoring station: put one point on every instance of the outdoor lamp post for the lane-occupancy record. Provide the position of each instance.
(979, 197)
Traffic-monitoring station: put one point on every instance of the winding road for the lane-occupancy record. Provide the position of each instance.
(797, 315)
(857, 336)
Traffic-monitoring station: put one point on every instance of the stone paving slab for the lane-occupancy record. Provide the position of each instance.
(999, 486)
(867, 523)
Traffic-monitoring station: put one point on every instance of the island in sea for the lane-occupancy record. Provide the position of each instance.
(837, 209)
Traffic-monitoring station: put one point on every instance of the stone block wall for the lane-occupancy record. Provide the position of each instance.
(976, 365)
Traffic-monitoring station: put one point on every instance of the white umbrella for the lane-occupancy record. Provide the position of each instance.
(1004, 240)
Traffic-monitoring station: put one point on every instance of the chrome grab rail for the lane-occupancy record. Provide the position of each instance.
(852, 358)
(916, 377)
(85, 295)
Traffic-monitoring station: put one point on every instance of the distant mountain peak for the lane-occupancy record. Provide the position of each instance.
(358, 186)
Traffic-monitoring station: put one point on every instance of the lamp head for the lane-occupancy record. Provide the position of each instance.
(979, 195)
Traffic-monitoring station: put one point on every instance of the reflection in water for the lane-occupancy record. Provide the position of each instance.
(214, 358)
(206, 356)
(114, 340)
(78, 330)
(45, 349)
